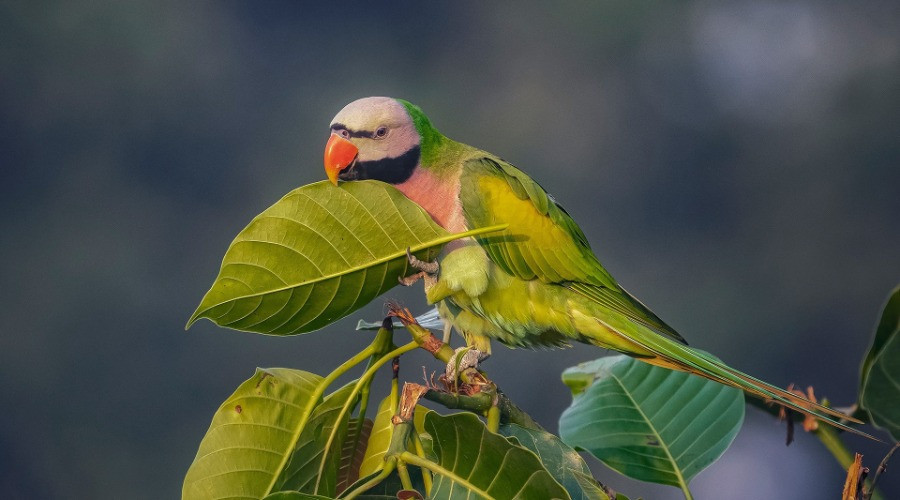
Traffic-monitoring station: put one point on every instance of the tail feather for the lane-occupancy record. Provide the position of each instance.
(673, 355)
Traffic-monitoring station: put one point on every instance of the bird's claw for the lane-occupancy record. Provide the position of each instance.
(463, 359)
(427, 271)
(412, 278)
(426, 267)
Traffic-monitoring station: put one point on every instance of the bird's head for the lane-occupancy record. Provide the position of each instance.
(377, 138)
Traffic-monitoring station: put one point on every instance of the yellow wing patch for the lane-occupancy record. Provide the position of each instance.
(542, 241)
(533, 246)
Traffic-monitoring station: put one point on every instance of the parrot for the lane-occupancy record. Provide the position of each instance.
(536, 283)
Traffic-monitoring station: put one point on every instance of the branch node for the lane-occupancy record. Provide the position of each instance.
(409, 398)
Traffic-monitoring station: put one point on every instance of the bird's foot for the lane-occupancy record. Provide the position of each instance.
(412, 279)
(463, 359)
(426, 267)
(427, 271)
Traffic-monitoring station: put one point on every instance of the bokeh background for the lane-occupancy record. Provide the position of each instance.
(736, 165)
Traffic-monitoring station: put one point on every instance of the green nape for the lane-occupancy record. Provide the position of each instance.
(430, 137)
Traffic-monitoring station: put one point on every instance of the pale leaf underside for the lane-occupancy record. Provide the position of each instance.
(650, 423)
(318, 254)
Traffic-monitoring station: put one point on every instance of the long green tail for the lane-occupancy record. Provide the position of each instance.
(674, 355)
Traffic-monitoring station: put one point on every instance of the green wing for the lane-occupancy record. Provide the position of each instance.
(542, 241)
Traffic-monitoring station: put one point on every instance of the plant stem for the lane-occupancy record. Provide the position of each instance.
(403, 472)
(437, 469)
(493, 419)
(829, 437)
(509, 412)
(390, 463)
(382, 343)
(832, 441)
(881, 468)
(426, 474)
(314, 400)
(395, 387)
(476, 403)
(362, 382)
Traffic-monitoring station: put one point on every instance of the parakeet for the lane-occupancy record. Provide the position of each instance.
(535, 283)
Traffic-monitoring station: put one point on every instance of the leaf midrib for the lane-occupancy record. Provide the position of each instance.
(398, 254)
(662, 444)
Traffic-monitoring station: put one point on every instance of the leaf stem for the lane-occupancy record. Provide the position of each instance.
(363, 381)
(390, 463)
(437, 469)
(403, 472)
(493, 419)
(395, 386)
(873, 493)
(832, 441)
(382, 343)
(311, 404)
(829, 437)
(426, 474)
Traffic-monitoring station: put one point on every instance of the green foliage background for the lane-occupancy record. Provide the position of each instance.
(733, 165)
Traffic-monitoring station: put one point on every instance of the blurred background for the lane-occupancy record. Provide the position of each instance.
(735, 165)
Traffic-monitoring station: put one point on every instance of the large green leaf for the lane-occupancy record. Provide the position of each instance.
(477, 463)
(879, 391)
(560, 460)
(252, 436)
(649, 423)
(318, 254)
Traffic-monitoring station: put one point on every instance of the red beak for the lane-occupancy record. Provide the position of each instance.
(339, 154)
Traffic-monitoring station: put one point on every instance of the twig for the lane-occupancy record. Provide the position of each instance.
(829, 437)
(390, 463)
(881, 468)
(479, 402)
(437, 469)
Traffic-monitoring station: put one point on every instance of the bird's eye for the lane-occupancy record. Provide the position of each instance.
(343, 133)
(381, 132)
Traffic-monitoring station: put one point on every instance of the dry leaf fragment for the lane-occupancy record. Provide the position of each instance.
(856, 475)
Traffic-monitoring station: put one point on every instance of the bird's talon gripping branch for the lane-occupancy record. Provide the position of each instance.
(426, 267)
(412, 278)
(463, 359)
(427, 271)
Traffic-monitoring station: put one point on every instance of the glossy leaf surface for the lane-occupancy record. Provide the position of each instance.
(560, 460)
(252, 436)
(479, 463)
(318, 254)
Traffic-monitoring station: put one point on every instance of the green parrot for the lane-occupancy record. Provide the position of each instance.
(536, 283)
